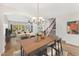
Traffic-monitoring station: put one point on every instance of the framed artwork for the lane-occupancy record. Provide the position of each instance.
(73, 27)
(18, 27)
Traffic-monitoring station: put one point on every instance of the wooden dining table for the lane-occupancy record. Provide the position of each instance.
(29, 46)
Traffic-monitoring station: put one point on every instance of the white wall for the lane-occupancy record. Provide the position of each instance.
(2, 35)
(61, 28)
(3, 25)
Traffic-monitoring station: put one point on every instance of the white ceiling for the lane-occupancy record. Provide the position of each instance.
(45, 9)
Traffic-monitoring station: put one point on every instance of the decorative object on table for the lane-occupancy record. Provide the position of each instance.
(42, 35)
(73, 27)
(38, 37)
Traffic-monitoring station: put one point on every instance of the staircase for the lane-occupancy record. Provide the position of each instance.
(51, 29)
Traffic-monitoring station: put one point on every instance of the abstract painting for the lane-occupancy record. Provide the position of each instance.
(73, 27)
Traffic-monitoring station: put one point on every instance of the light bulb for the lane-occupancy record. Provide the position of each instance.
(34, 18)
(40, 18)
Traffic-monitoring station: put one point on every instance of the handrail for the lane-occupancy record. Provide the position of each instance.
(50, 25)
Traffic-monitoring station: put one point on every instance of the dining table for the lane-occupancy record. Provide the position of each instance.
(33, 45)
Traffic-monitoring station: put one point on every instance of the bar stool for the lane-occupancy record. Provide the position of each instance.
(59, 46)
(56, 48)
(52, 48)
(54, 51)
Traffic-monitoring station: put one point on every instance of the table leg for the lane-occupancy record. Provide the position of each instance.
(22, 52)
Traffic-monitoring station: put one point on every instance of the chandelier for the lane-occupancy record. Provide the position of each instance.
(37, 18)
